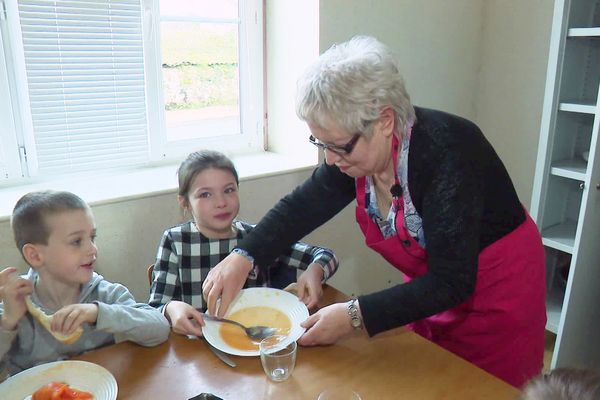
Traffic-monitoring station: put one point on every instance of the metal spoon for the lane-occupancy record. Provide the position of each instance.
(253, 332)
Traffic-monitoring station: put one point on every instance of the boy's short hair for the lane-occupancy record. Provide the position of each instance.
(28, 219)
(564, 384)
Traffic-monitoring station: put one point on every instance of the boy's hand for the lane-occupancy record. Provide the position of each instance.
(184, 318)
(13, 290)
(310, 289)
(70, 317)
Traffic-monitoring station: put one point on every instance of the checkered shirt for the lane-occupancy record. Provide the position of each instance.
(185, 256)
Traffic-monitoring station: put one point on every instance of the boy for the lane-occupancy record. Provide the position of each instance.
(55, 233)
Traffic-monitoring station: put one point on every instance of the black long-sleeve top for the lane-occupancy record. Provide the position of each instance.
(459, 187)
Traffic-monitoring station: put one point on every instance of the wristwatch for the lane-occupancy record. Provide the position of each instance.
(355, 320)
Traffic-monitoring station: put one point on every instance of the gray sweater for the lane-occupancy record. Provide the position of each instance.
(120, 318)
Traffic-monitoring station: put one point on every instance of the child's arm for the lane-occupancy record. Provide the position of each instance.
(302, 255)
(13, 290)
(318, 263)
(12, 308)
(310, 288)
(120, 314)
(69, 318)
(184, 318)
(166, 285)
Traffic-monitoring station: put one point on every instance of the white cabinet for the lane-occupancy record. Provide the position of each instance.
(566, 192)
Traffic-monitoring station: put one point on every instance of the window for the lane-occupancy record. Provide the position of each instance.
(102, 84)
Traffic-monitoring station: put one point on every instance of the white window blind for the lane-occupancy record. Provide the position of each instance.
(85, 74)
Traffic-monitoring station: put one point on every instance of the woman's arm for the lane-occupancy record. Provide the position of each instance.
(310, 205)
(325, 193)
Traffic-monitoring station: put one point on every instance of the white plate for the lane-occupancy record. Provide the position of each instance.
(81, 375)
(278, 299)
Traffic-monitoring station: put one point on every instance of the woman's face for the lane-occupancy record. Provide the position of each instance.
(371, 155)
(214, 202)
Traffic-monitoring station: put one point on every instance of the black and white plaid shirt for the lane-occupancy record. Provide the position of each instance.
(185, 256)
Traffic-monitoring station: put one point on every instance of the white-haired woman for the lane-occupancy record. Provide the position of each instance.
(433, 198)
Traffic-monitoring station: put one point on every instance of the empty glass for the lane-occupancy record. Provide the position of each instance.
(338, 394)
(277, 358)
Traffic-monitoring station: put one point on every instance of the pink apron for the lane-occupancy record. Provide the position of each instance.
(500, 328)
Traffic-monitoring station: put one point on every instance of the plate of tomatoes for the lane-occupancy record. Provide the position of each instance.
(68, 380)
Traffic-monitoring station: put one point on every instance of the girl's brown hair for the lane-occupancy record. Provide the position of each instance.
(199, 161)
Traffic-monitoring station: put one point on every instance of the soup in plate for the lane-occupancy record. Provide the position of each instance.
(253, 316)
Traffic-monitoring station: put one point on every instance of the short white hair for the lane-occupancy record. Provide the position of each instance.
(349, 84)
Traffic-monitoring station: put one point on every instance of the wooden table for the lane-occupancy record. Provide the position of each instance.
(397, 364)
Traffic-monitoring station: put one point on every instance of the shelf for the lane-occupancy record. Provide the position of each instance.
(572, 169)
(585, 108)
(583, 32)
(560, 237)
(554, 302)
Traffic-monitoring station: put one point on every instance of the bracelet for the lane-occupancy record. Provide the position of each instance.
(244, 254)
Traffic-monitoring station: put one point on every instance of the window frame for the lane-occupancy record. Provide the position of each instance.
(252, 75)
(18, 161)
(10, 161)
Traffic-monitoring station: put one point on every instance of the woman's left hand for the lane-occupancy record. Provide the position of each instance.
(327, 326)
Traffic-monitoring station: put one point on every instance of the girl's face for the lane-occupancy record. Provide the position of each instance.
(213, 201)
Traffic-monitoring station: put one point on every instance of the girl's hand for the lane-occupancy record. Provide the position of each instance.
(13, 290)
(224, 281)
(310, 289)
(71, 317)
(327, 326)
(184, 318)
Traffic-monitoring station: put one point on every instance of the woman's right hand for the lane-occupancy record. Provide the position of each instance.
(184, 318)
(13, 290)
(224, 282)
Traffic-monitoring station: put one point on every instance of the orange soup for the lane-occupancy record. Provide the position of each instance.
(235, 337)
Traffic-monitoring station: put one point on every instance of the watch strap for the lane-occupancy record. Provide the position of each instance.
(355, 319)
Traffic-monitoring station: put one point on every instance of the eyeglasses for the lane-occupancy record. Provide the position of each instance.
(341, 150)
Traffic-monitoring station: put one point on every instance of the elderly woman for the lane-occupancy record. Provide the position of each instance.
(432, 197)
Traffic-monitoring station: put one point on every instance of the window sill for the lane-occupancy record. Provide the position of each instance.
(144, 182)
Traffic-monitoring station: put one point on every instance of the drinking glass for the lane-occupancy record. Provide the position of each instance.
(278, 359)
(338, 394)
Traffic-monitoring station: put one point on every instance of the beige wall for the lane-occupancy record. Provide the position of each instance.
(482, 59)
(438, 44)
(511, 84)
(485, 60)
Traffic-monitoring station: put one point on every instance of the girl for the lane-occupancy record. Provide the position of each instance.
(208, 189)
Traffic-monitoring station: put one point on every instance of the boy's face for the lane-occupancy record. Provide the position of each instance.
(70, 255)
(214, 202)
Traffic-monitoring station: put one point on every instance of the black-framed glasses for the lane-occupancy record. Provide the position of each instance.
(342, 150)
